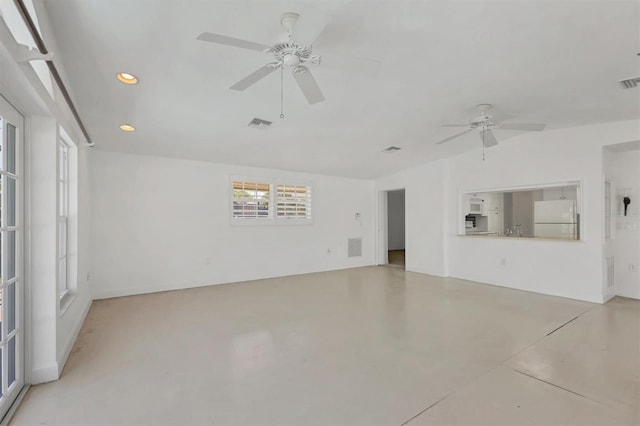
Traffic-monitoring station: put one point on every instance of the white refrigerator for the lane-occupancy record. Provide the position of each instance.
(555, 219)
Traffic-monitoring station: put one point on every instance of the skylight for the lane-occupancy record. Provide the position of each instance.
(21, 34)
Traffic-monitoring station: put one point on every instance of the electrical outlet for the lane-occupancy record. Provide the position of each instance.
(503, 261)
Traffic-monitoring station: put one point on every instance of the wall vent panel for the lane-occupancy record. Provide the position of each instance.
(610, 271)
(354, 247)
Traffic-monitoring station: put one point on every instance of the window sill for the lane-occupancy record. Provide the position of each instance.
(270, 222)
(66, 301)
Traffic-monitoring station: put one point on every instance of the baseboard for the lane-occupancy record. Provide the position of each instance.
(133, 291)
(72, 338)
(627, 295)
(44, 374)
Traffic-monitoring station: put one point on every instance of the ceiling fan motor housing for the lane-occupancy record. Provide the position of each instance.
(482, 121)
(292, 54)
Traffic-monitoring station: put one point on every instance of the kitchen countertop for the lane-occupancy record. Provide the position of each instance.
(482, 233)
(486, 234)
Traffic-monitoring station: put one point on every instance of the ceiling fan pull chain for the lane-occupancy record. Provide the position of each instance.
(281, 92)
(483, 145)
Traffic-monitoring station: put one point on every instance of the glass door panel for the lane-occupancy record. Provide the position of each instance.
(11, 278)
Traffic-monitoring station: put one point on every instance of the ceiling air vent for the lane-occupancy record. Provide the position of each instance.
(630, 83)
(392, 149)
(259, 123)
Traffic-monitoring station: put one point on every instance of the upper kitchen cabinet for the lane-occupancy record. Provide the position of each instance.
(493, 201)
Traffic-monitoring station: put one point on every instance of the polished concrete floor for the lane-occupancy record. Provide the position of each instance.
(365, 346)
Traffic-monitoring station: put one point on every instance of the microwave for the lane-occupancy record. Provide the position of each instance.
(475, 206)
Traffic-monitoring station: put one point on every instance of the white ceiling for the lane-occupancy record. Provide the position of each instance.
(555, 62)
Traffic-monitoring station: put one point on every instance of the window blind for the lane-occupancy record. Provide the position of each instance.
(293, 201)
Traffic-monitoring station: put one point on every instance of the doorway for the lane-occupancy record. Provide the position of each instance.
(396, 228)
(11, 257)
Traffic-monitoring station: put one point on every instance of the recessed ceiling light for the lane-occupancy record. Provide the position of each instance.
(127, 78)
(127, 127)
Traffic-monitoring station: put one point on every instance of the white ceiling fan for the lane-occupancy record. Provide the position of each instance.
(485, 123)
(287, 54)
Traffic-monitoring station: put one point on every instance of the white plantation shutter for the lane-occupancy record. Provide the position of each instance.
(251, 200)
(293, 202)
(264, 201)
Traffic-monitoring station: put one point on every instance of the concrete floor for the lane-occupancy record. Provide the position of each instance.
(362, 346)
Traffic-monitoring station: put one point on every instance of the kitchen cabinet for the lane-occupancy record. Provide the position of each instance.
(493, 202)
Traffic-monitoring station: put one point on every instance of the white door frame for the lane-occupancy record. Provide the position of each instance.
(382, 238)
(382, 246)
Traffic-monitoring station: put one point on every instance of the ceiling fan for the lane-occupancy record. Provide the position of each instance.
(486, 123)
(287, 54)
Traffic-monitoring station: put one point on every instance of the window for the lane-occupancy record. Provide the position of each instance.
(264, 201)
(67, 219)
(251, 200)
(294, 202)
(63, 218)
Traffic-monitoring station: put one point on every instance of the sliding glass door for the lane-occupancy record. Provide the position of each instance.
(11, 257)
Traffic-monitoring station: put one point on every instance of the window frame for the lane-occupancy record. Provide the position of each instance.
(67, 194)
(272, 217)
(62, 217)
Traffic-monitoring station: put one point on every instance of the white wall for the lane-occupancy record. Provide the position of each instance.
(564, 268)
(157, 221)
(53, 331)
(40, 239)
(70, 320)
(608, 247)
(626, 174)
(50, 332)
(395, 220)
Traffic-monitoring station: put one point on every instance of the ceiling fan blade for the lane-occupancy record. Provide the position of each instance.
(230, 41)
(362, 66)
(454, 136)
(310, 27)
(532, 127)
(488, 138)
(253, 77)
(499, 116)
(309, 86)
